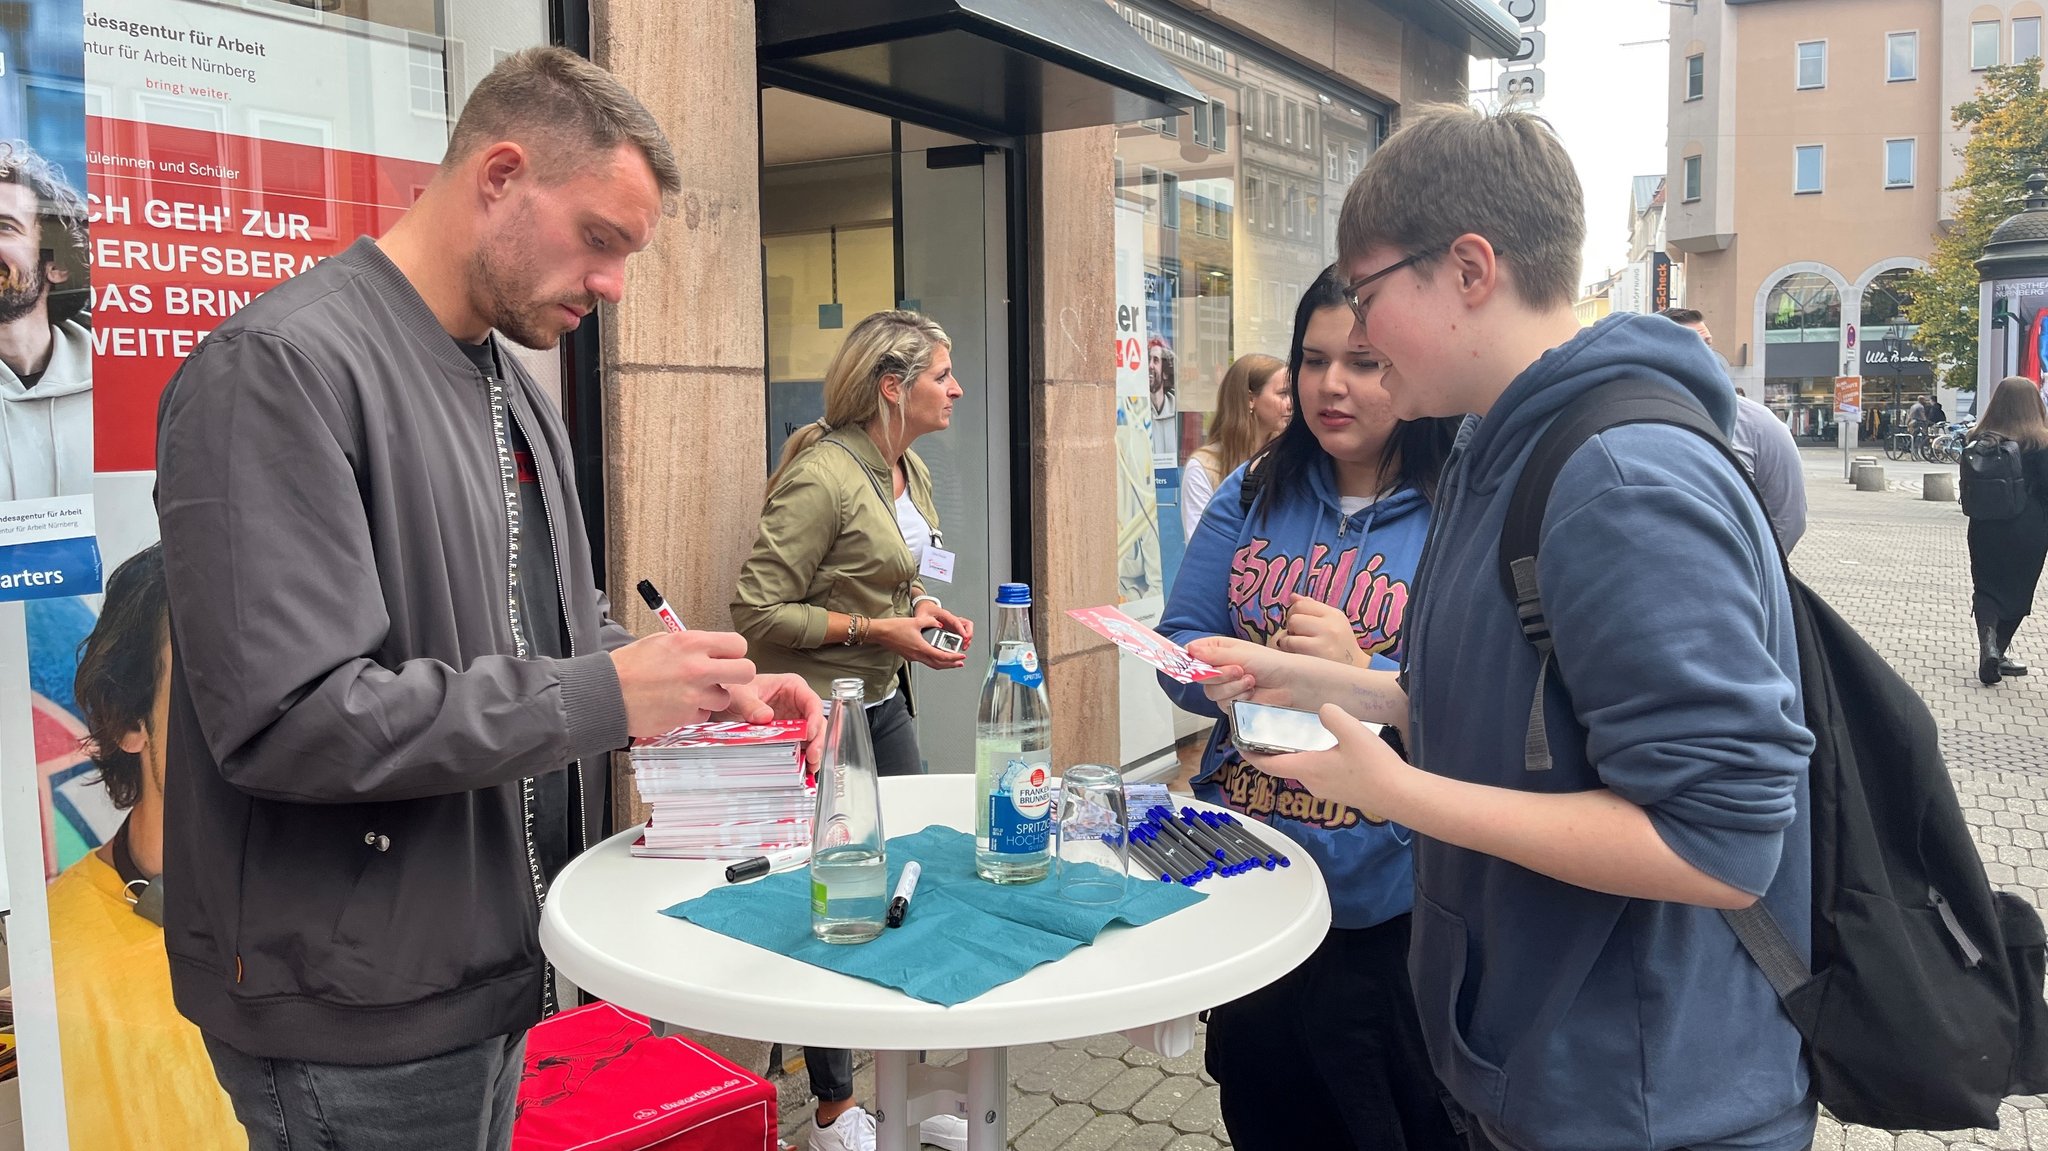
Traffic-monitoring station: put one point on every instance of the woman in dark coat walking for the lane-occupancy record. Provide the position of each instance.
(2006, 554)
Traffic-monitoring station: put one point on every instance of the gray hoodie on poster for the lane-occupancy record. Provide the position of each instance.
(46, 430)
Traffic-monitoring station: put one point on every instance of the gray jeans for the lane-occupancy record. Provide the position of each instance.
(463, 1100)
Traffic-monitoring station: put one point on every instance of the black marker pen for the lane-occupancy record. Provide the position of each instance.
(659, 606)
(905, 888)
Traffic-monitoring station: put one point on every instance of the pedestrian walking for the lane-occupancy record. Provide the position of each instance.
(2006, 552)
(1253, 403)
(1312, 548)
(394, 683)
(840, 584)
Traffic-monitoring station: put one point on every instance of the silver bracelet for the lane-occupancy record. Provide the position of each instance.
(920, 599)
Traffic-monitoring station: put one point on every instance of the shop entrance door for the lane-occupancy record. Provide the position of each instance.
(861, 213)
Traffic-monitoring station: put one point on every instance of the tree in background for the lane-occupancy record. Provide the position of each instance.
(2007, 122)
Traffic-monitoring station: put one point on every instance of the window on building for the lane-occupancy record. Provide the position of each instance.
(1984, 45)
(2026, 39)
(1119, 161)
(1200, 135)
(1272, 114)
(1169, 199)
(1813, 64)
(1803, 307)
(1293, 122)
(428, 82)
(1809, 161)
(1148, 186)
(1331, 169)
(1902, 56)
(1219, 116)
(1170, 127)
(1250, 111)
(1695, 76)
(1899, 157)
(1692, 179)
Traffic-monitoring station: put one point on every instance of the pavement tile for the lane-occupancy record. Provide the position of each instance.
(1149, 1137)
(1111, 1046)
(1066, 1061)
(1085, 1080)
(1105, 1132)
(1126, 1089)
(1202, 1113)
(1058, 1126)
(1026, 1109)
(1162, 1101)
(1192, 1143)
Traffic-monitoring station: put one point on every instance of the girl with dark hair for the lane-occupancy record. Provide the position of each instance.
(2006, 554)
(1311, 547)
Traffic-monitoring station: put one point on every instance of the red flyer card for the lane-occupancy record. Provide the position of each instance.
(1146, 644)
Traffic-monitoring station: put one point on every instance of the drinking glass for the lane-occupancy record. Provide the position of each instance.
(1093, 834)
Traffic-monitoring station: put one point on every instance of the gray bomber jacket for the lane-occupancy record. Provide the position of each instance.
(351, 727)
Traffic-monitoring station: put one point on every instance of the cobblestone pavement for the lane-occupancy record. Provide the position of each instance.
(1897, 568)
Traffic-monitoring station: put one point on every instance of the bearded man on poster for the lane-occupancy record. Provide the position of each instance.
(45, 337)
(394, 681)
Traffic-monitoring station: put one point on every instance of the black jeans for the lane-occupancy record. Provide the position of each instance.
(463, 1100)
(1330, 1055)
(894, 734)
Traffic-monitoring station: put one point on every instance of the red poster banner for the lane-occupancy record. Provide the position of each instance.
(187, 227)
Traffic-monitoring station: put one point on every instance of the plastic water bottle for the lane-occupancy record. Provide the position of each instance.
(849, 868)
(1013, 753)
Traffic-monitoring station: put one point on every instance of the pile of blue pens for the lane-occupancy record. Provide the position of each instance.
(1191, 847)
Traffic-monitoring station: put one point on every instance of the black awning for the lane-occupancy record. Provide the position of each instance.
(978, 67)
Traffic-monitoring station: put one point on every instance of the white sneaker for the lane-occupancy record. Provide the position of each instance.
(854, 1130)
(947, 1131)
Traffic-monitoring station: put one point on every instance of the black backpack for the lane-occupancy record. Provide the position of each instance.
(1994, 481)
(1923, 1005)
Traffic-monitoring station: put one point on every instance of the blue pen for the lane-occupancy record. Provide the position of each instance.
(1233, 832)
(1146, 860)
(1232, 858)
(1271, 858)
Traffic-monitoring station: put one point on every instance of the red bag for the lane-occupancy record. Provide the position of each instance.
(597, 1080)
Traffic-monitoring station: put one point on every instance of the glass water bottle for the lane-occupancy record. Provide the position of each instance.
(849, 870)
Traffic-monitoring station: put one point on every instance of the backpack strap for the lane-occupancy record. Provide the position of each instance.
(1606, 406)
(1613, 405)
(1254, 482)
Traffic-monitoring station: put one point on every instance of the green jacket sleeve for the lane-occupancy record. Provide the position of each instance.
(799, 522)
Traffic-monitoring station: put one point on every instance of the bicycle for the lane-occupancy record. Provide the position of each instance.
(1900, 446)
(1946, 446)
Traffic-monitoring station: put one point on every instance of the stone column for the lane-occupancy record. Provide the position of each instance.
(685, 396)
(1072, 243)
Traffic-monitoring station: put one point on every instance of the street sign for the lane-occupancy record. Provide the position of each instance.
(1849, 397)
(1521, 86)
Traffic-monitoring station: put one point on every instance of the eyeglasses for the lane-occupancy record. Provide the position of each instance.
(1352, 289)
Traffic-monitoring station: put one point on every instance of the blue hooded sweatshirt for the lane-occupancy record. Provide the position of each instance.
(1564, 1018)
(1234, 580)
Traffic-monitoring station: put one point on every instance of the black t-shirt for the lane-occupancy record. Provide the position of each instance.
(540, 620)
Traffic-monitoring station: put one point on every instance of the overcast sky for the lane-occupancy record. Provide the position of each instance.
(1607, 103)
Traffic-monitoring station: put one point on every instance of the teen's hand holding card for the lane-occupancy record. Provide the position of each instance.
(1146, 644)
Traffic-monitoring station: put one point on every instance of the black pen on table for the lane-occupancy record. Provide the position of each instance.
(659, 606)
(906, 886)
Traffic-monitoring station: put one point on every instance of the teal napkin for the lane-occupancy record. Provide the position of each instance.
(963, 935)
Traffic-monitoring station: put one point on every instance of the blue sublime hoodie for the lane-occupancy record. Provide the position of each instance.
(1234, 581)
(1564, 1018)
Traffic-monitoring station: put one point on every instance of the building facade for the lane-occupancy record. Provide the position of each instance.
(1810, 148)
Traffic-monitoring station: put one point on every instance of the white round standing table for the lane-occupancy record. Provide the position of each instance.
(603, 930)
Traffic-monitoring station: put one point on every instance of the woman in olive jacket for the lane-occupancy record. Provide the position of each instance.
(834, 585)
(2006, 554)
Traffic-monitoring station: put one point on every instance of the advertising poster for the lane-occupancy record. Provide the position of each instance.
(2019, 329)
(205, 152)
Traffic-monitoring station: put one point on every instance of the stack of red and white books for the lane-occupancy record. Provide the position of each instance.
(724, 790)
